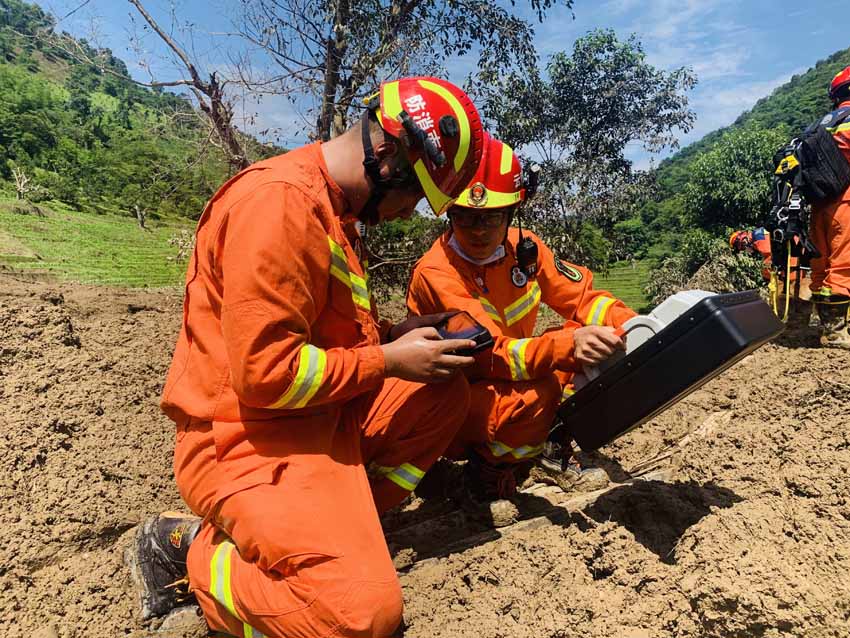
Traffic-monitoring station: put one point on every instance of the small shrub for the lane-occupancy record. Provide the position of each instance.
(704, 264)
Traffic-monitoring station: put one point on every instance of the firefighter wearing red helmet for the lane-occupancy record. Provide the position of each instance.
(517, 386)
(299, 419)
(830, 232)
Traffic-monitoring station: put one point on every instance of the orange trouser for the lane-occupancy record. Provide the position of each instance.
(508, 421)
(291, 543)
(830, 233)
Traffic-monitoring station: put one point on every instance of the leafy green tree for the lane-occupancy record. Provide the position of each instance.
(338, 51)
(630, 238)
(730, 186)
(579, 118)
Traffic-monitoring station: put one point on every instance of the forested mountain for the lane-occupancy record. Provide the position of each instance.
(788, 110)
(75, 126)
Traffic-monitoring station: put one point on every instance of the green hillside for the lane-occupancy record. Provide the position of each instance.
(84, 134)
(791, 107)
(724, 182)
(626, 280)
(796, 105)
(85, 151)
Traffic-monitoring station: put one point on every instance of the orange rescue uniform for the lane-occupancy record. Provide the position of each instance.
(830, 232)
(290, 439)
(517, 386)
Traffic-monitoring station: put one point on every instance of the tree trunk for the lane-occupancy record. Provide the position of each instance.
(337, 45)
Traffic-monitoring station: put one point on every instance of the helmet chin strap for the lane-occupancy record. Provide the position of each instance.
(380, 185)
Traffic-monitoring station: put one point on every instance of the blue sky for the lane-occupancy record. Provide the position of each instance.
(740, 50)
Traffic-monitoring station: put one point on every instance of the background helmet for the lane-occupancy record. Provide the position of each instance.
(840, 82)
(498, 181)
(441, 131)
(740, 240)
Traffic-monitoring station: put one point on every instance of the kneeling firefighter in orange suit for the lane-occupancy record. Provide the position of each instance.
(476, 266)
(830, 233)
(299, 416)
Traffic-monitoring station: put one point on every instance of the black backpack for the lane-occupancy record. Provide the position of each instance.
(814, 162)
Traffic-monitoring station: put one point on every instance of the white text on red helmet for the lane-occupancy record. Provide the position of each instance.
(417, 109)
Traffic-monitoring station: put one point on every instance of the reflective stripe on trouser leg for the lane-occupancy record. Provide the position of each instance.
(499, 449)
(406, 476)
(220, 587)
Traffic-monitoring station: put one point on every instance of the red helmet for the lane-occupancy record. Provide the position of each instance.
(840, 81)
(741, 240)
(441, 131)
(498, 181)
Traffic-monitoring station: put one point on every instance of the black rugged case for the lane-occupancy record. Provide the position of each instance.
(700, 344)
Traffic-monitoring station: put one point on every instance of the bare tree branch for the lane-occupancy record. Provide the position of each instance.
(210, 95)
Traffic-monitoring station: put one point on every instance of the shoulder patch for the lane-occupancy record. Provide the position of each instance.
(573, 274)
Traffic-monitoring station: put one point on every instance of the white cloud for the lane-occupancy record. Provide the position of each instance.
(720, 108)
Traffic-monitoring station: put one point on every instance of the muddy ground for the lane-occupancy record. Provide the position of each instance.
(752, 539)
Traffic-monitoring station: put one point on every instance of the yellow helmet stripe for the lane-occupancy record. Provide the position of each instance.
(462, 118)
(391, 104)
(438, 199)
(507, 159)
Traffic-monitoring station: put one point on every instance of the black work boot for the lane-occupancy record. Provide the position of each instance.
(834, 315)
(489, 490)
(559, 466)
(157, 562)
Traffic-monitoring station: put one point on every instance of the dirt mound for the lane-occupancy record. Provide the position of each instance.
(752, 540)
(85, 453)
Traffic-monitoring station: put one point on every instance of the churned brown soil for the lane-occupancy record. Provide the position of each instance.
(752, 539)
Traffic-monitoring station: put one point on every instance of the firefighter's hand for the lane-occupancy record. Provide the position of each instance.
(594, 344)
(421, 355)
(418, 321)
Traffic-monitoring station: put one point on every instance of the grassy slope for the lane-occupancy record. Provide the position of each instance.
(623, 280)
(626, 282)
(90, 248)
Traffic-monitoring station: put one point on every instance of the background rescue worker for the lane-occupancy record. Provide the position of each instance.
(299, 418)
(755, 242)
(517, 386)
(830, 233)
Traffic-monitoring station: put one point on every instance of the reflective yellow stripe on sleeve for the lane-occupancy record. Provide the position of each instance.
(312, 362)
(220, 568)
(462, 119)
(567, 392)
(490, 309)
(522, 306)
(598, 311)
(340, 271)
(516, 358)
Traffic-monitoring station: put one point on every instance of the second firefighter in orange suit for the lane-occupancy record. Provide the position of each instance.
(517, 386)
